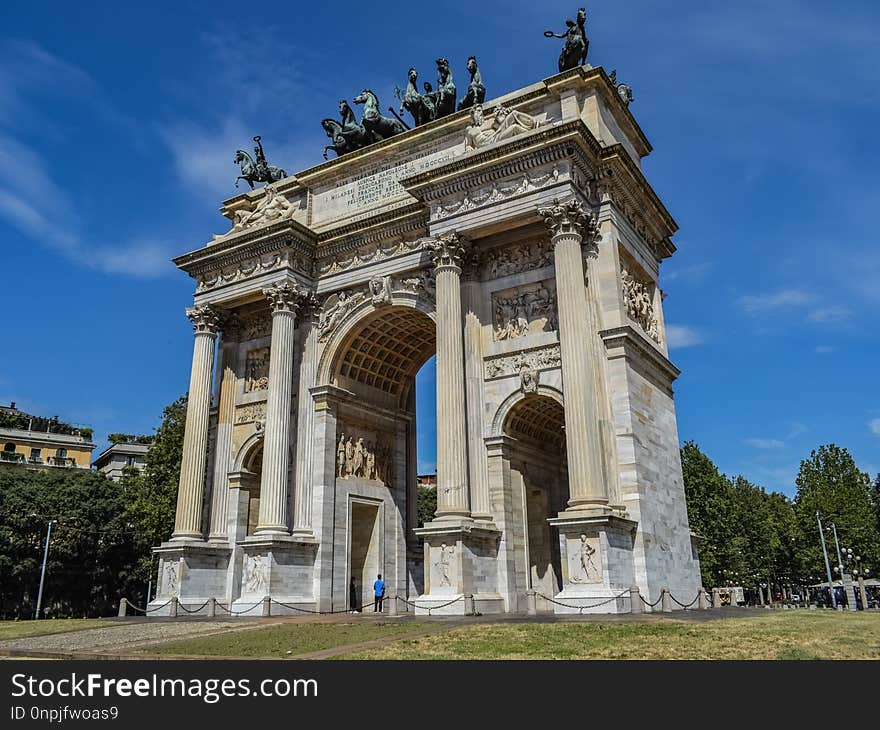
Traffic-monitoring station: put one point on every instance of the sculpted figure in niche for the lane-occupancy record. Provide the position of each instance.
(587, 570)
(357, 468)
(444, 563)
(371, 463)
(349, 457)
(340, 456)
(380, 290)
(254, 575)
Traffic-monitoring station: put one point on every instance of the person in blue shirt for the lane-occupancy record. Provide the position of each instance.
(378, 593)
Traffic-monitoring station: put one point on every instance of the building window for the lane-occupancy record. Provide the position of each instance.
(9, 448)
(35, 456)
(61, 453)
(129, 461)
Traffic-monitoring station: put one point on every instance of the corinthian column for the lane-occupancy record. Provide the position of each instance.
(225, 416)
(284, 299)
(452, 462)
(302, 509)
(572, 227)
(188, 521)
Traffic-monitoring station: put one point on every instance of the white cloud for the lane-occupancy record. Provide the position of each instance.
(678, 336)
(31, 201)
(874, 426)
(823, 349)
(834, 313)
(755, 304)
(765, 443)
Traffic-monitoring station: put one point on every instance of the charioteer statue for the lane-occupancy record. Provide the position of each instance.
(574, 52)
(257, 169)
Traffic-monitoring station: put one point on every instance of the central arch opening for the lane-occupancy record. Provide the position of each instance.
(538, 467)
(376, 445)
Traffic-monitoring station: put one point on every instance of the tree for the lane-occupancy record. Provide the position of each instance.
(92, 557)
(427, 503)
(829, 482)
(710, 511)
(151, 495)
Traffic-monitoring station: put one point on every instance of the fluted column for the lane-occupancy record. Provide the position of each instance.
(188, 520)
(572, 227)
(302, 508)
(284, 299)
(452, 461)
(225, 415)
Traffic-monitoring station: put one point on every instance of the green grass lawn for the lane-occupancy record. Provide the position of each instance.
(783, 635)
(21, 629)
(285, 640)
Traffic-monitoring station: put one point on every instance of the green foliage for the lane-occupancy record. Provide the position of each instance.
(151, 495)
(91, 553)
(751, 536)
(427, 504)
(830, 482)
(129, 438)
(710, 511)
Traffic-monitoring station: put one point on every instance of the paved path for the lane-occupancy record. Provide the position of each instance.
(129, 637)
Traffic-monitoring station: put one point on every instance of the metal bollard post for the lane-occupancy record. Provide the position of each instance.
(531, 603)
(469, 609)
(392, 604)
(172, 611)
(635, 599)
(212, 607)
(665, 600)
(123, 606)
(267, 606)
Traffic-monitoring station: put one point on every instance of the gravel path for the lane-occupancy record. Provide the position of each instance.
(125, 636)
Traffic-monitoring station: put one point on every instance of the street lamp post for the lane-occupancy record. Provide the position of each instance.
(43, 571)
(827, 564)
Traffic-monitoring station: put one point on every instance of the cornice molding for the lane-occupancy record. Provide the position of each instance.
(634, 345)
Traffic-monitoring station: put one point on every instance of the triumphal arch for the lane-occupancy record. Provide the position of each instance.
(517, 240)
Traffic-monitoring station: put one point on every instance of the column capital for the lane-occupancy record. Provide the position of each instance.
(570, 218)
(285, 296)
(205, 318)
(448, 251)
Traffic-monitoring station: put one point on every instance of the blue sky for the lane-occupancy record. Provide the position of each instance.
(118, 123)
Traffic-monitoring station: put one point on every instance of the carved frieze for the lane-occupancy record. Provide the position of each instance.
(506, 123)
(367, 254)
(335, 308)
(256, 370)
(524, 310)
(255, 326)
(252, 267)
(535, 360)
(422, 283)
(515, 259)
(584, 564)
(251, 412)
(361, 456)
(496, 191)
(638, 294)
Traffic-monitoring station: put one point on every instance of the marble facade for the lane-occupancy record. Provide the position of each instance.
(528, 262)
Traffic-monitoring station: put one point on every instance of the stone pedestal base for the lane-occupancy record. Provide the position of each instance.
(460, 568)
(281, 568)
(191, 571)
(597, 562)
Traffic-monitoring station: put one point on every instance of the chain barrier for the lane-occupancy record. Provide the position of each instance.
(651, 605)
(195, 610)
(145, 611)
(581, 608)
(235, 613)
(430, 608)
(688, 605)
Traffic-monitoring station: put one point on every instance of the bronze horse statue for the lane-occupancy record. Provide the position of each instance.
(251, 172)
(574, 52)
(348, 136)
(377, 126)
